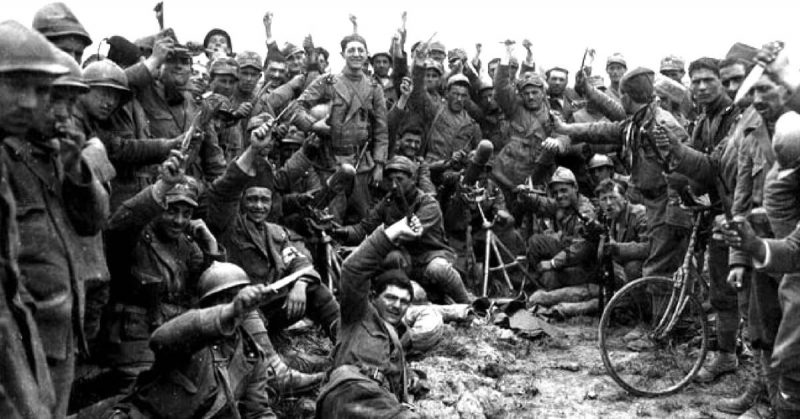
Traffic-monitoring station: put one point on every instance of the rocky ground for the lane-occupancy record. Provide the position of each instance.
(485, 371)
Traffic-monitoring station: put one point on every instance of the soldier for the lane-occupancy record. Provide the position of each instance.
(409, 145)
(381, 66)
(431, 258)
(732, 72)
(616, 66)
(59, 201)
(369, 376)
(562, 99)
(448, 126)
(628, 244)
(557, 248)
(222, 370)
(217, 44)
(673, 67)
(156, 254)
(357, 120)
(668, 224)
(26, 72)
(245, 95)
(60, 26)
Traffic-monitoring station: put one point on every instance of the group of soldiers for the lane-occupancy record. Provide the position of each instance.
(170, 209)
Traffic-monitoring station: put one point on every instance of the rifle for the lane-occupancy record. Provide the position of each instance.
(606, 276)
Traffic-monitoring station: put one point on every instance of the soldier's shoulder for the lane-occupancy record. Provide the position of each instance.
(277, 231)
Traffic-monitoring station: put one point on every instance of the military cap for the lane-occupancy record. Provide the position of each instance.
(486, 83)
(219, 103)
(456, 53)
(437, 46)
(665, 86)
(616, 58)
(248, 59)
(600, 160)
(290, 49)
(562, 175)
(294, 136)
(672, 62)
(353, 38)
(531, 79)
(224, 66)
(186, 191)
(401, 164)
(431, 63)
(638, 82)
(459, 79)
(74, 78)
(786, 141)
(122, 51)
(217, 31)
(22, 49)
(56, 19)
(380, 54)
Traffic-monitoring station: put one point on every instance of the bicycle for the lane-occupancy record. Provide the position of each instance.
(654, 333)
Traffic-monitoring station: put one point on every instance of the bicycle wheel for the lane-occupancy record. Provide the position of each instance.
(641, 359)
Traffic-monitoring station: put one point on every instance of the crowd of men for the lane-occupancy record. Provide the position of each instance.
(170, 208)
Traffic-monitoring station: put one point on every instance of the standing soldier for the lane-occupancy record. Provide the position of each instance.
(59, 200)
(616, 66)
(27, 69)
(57, 23)
(357, 121)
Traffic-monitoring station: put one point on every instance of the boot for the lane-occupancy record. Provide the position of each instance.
(754, 391)
(286, 381)
(723, 363)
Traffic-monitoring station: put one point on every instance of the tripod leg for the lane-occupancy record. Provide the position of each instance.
(486, 263)
(501, 262)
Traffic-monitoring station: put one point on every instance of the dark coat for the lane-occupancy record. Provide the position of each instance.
(631, 235)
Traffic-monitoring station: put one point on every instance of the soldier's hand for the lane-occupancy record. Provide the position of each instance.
(243, 110)
(267, 20)
(554, 145)
(377, 175)
(203, 235)
(248, 299)
(261, 137)
(736, 276)
(308, 43)
(559, 127)
(71, 142)
(527, 44)
(305, 198)
(664, 138)
(171, 170)
(406, 86)
(162, 47)
(404, 230)
(295, 304)
(739, 234)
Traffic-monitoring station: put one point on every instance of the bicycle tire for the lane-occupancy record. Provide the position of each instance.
(641, 363)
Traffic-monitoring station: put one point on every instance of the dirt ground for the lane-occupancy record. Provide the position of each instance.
(484, 371)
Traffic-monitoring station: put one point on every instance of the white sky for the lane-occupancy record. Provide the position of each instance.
(644, 31)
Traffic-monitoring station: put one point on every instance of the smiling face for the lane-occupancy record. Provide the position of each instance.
(177, 70)
(392, 304)
(275, 73)
(355, 55)
(174, 221)
(409, 144)
(296, 62)
(565, 194)
(257, 204)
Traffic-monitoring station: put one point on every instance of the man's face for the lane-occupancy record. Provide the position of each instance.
(769, 99)
(532, 97)
(392, 304)
(257, 203)
(276, 73)
(174, 221)
(223, 84)
(219, 43)
(323, 62)
(457, 97)
(486, 99)
(615, 72)
(433, 79)
(24, 97)
(437, 55)
(355, 55)
(492, 68)
(62, 103)
(248, 78)
(556, 82)
(403, 180)
(409, 144)
(676, 75)
(381, 66)
(70, 44)
(101, 102)
(296, 62)
(731, 78)
(611, 203)
(706, 86)
(565, 194)
(177, 69)
(600, 174)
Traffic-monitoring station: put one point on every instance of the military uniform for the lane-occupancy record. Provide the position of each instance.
(369, 377)
(633, 245)
(201, 370)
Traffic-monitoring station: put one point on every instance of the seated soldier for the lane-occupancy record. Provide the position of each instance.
(408, 144)
(557, 248)
(239, 204)
(207, 364)
(628, 244)
(431, 258)
(369, 377)
(156, 252)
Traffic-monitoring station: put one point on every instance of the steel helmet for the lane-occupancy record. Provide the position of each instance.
(600, 160)
(221, 276)
(73, 79)
(22, 49)
(562, 175)
(106, 73)
(56, 19)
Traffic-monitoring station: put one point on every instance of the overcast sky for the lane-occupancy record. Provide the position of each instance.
(560, 31)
